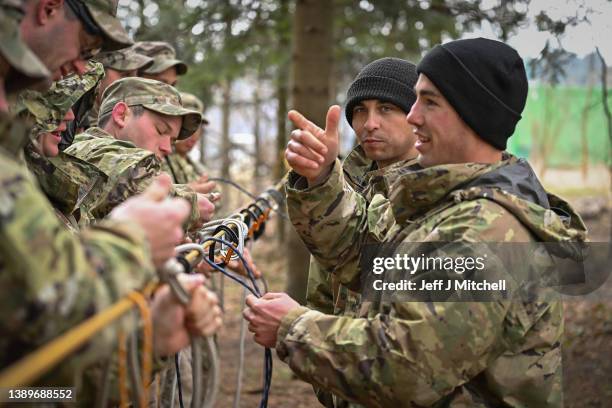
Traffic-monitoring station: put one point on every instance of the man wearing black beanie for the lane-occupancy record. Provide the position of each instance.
(424, 346)
(377, 102)
(472, 95)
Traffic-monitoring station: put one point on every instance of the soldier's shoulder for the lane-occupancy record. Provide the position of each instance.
(480, 218)
(109, 154)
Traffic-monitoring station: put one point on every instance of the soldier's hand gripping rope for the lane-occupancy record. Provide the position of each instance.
(169, 274)
(226, 238)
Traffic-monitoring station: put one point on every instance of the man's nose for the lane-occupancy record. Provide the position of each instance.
(373, 122)
(414, 117)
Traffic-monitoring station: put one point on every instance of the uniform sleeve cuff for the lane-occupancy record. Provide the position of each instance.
(299, 184)
(285, 326)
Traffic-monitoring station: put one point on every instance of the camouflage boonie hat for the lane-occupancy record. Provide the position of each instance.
(12, 47)
(103, 15)
(190, 101)
(49, 108)
(153, 95)
(164, 57)
(125, 59)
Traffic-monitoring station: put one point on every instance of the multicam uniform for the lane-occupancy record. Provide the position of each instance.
(129, 171)
(163, 55)
(70, 185)
(123, 60)
(182, 169)
(66, 182)
(53, 278)
(439, 354)
(324, 292)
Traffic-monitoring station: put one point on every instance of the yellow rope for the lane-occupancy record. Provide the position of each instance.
(157, 390)
(147, 344)
(193, 255)
(34, 365)
(122, 370)
(39, 362)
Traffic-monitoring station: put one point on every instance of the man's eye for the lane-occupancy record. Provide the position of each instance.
(429, 102)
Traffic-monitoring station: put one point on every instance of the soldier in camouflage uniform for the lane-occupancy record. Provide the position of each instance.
(117, 64)
(166, 67)
(178, 164)
(65, 182)
(140, 118)
(470, 95)
(377, 103)
(53, 280)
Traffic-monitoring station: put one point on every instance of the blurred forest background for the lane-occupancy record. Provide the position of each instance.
(252, 60)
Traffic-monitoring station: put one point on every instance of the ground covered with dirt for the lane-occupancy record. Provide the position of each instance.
(587, 349)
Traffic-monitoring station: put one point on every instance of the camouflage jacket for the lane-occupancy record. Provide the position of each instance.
(69, 183)
(129, 171)
(435, 354)
(52, 279)
(91, 117)
(182, 169)
(324, 292)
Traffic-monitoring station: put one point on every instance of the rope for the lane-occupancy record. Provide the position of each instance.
(147, 344)
(253, 196)
(122, 370)
(255, 291)
(212, 387)
(235, 185)
(40, 361)
(178, 380)
(157, 390)
(240, 356)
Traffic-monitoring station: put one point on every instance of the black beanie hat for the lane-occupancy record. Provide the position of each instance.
(484, 81)
(386, 79)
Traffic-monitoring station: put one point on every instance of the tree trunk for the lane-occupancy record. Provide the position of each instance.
(257, 159)
(310, 91)
(226, 143)
(282, 94)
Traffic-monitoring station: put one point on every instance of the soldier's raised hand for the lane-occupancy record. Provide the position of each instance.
(312, 150)
(161, 218)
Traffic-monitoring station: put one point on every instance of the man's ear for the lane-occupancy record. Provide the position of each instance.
(47, 9)
(120, 114)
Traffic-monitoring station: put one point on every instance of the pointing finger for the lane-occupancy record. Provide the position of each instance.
(302, 123)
